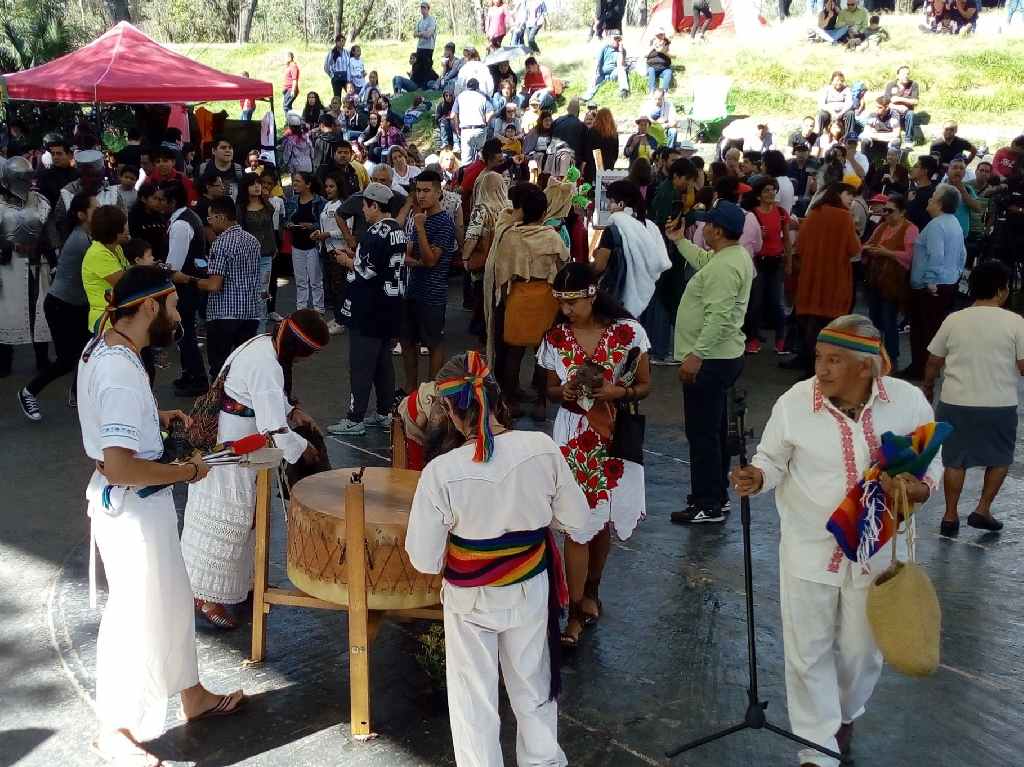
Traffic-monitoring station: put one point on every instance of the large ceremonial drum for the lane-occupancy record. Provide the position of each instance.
(316, 540)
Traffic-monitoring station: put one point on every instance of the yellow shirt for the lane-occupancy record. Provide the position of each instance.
(99, 263)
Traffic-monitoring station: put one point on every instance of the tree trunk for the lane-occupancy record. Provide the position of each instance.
(451, 14)
(339, 18)
(357, 27)
(245, 21)
(118, 10)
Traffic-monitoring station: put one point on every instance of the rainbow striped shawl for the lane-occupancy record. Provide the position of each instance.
(509, 559)
(863, 523)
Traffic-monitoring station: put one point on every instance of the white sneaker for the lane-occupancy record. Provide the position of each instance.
(424, 351)
(334, 327)
(397, 350)
(29, 405)
(347, 428)
(378, 421)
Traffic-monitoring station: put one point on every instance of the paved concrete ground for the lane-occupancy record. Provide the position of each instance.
(666, 664)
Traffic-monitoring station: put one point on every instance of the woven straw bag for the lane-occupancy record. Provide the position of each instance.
(903, 609)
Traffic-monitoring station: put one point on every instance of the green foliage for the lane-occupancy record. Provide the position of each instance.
(430, 656)
(33, 36)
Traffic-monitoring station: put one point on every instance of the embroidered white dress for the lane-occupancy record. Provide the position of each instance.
(811, 455)
(614, 488)
(218, 540)
(145, 651)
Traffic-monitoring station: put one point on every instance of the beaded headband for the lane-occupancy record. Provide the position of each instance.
(571, 295)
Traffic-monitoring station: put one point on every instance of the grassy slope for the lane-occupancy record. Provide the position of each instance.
(976, 81)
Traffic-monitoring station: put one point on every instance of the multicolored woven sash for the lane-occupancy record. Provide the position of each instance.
(231, 406)
(509, 559)
(863, 522)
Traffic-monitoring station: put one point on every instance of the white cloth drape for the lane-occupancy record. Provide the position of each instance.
(643, 247)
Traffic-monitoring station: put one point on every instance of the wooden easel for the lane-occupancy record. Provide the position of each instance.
(363, 623)
(595, 233)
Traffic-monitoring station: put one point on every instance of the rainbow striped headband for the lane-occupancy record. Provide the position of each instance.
(291, 325)
(462, 390)
(851, 341)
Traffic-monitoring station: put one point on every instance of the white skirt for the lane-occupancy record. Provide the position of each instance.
(146, 649)
(626, 504)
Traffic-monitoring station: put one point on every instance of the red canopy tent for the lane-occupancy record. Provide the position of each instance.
(126, 66)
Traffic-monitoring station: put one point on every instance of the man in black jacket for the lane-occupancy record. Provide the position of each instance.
(570, 128)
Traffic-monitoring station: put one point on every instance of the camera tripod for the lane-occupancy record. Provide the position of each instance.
(755, 718)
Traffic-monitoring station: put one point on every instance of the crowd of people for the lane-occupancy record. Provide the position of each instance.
(115, 257)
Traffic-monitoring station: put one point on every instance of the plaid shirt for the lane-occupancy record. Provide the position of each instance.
(235, 255)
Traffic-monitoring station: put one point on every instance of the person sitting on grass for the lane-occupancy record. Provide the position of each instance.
(401, 84)
(872, 38)
(884, 122)
(964, 16)
(611, 65)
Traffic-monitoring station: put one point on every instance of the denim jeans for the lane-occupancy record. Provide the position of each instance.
(399, 84)
(705, 421)
(1013, 7)
(766, 297)
(444, 126)
(247, 115)
(660, 326)
(619, 74)
(655, 79)
(287, 99)
(531, 38)
(885, 315)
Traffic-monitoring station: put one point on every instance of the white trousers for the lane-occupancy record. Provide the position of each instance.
(515, 637)
(309, 279)
(832, 662)
(146, 649)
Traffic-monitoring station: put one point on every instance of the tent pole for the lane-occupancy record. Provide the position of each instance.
(98, 121)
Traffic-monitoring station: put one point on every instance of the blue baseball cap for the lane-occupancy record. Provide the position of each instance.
(726, 215)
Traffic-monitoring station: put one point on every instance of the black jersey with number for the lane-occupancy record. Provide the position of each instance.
(373, 304)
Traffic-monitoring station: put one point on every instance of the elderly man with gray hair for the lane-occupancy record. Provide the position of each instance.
(938, 261)
(822, 435)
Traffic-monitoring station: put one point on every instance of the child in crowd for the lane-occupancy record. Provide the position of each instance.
(128, 177)
(139, 252)
(511, 143)
(872, 37)
(356, 72)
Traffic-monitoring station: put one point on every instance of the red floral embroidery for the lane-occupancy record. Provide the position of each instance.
(587, 452)
(868, 425)
(849, 456)
(882, 393)
(837, 558)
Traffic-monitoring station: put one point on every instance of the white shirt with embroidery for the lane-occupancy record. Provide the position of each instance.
(811, 454)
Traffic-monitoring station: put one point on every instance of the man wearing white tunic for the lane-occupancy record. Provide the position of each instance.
(482, 514)
(218, 540)
(145, 652)
(822, 435)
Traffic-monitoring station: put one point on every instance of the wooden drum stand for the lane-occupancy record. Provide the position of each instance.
(340, 567)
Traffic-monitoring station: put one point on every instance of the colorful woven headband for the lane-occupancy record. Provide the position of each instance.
(291, 325)
(461, 391)
(572, 295)
(155, 292)
(851, 341)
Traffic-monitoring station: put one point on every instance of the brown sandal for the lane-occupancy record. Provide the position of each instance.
(216, 614)
(570, 639)
(590, 590)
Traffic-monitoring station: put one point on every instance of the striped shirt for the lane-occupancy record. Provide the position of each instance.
(235, 255)
(429, 284)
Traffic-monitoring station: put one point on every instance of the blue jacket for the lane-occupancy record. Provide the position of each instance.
(939, 253)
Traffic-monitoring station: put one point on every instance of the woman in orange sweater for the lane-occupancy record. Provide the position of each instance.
(826, 242)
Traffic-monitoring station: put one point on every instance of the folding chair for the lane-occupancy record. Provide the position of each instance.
(709, 104)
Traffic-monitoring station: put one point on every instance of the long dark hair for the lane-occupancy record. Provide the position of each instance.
(79, 204)
(628, 193)
(575, 277)
(243, 195)
(833, 196)
(311, 112)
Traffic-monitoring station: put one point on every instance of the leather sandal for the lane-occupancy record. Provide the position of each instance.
(590, 591)
(216, 614)
(570, 639)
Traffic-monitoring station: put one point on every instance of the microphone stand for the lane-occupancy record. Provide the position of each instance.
(755, 718)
